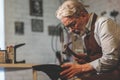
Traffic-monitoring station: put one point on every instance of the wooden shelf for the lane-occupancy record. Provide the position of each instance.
(17, 65)
(21, 66)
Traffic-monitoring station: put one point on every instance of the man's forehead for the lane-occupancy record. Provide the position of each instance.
(65, 19)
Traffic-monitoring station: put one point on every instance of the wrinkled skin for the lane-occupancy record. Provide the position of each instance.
(78, 24)
(73, 69)
(70, 70)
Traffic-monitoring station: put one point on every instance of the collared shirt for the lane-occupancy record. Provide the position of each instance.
(107, 35)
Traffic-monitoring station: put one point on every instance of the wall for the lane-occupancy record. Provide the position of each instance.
(2, 37)
(38, 44)
(101, 6)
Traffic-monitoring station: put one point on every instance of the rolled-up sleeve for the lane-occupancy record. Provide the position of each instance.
(110, 43)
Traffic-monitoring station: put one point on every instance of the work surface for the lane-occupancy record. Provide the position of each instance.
(17, 65)
(21, 66)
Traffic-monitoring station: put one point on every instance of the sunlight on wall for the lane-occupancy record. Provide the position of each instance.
(2, 35)
(2, 74)
(2, 41)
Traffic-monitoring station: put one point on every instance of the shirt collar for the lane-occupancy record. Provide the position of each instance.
(89, 24)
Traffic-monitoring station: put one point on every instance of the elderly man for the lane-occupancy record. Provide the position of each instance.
(100, 35)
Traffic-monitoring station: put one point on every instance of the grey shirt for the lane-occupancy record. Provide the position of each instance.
(107, 35)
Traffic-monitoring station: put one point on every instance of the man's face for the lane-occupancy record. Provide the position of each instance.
(74, 24)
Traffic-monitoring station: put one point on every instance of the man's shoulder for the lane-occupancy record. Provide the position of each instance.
(99, 22)
(102, 19)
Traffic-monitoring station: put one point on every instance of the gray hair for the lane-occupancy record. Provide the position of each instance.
(70, 8)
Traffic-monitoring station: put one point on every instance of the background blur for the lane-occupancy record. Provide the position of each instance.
(24, 25)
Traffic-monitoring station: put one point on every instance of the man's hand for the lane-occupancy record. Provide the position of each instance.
(73, 69)
(70, 70)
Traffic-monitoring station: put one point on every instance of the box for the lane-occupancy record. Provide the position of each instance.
(2, 56)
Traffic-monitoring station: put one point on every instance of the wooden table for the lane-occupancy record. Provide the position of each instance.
(21, 66)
